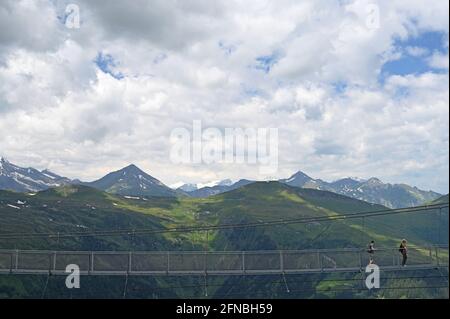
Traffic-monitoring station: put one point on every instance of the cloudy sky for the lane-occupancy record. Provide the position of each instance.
(355, 88)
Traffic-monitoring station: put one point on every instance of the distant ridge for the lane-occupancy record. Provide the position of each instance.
(132, 181)
(372, 190)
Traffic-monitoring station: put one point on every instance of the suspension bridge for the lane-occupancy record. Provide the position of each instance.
(221, 262)
(431, 257)
(188, 263)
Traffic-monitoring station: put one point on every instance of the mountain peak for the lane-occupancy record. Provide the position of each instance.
(374, 181)
(350, 181)
(132, 170)
(300, 174)
(132, 181)
(131, 167)
(299, 179)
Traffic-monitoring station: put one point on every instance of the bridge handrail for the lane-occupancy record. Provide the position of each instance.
(312, 250)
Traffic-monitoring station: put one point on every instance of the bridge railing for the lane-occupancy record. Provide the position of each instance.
(242, 262)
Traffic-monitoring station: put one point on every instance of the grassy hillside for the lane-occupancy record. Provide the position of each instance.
(441, 200)
(79, 208)
(270, 201)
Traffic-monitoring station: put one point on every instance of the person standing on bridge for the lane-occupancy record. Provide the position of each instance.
(371, 251)
(404, 251)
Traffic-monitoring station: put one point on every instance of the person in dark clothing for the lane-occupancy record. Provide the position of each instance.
(371, 251)
(404, 251)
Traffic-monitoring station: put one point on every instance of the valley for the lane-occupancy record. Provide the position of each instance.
(78, 209)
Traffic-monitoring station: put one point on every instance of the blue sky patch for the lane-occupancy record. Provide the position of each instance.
(339, 87)
(409, 63)
(106, 63)
(266, 62)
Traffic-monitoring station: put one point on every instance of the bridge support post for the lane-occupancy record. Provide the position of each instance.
(16, 266)
(393, 258)
(281, 262)
(129, 263)
(243, 262)
(319, 260)
(360, 260)
(91, 263)
(11, 263)
(50, 263)
(205, 262)
(53, 262)
(439, 226)
(168, 263)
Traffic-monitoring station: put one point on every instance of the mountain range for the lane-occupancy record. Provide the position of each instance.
(371, 190)
(132, 181)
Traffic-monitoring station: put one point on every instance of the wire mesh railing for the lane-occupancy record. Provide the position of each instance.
(242, 262)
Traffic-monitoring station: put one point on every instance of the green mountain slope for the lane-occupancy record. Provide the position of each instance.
(269, 201)
(79, 208)
(441, 200)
